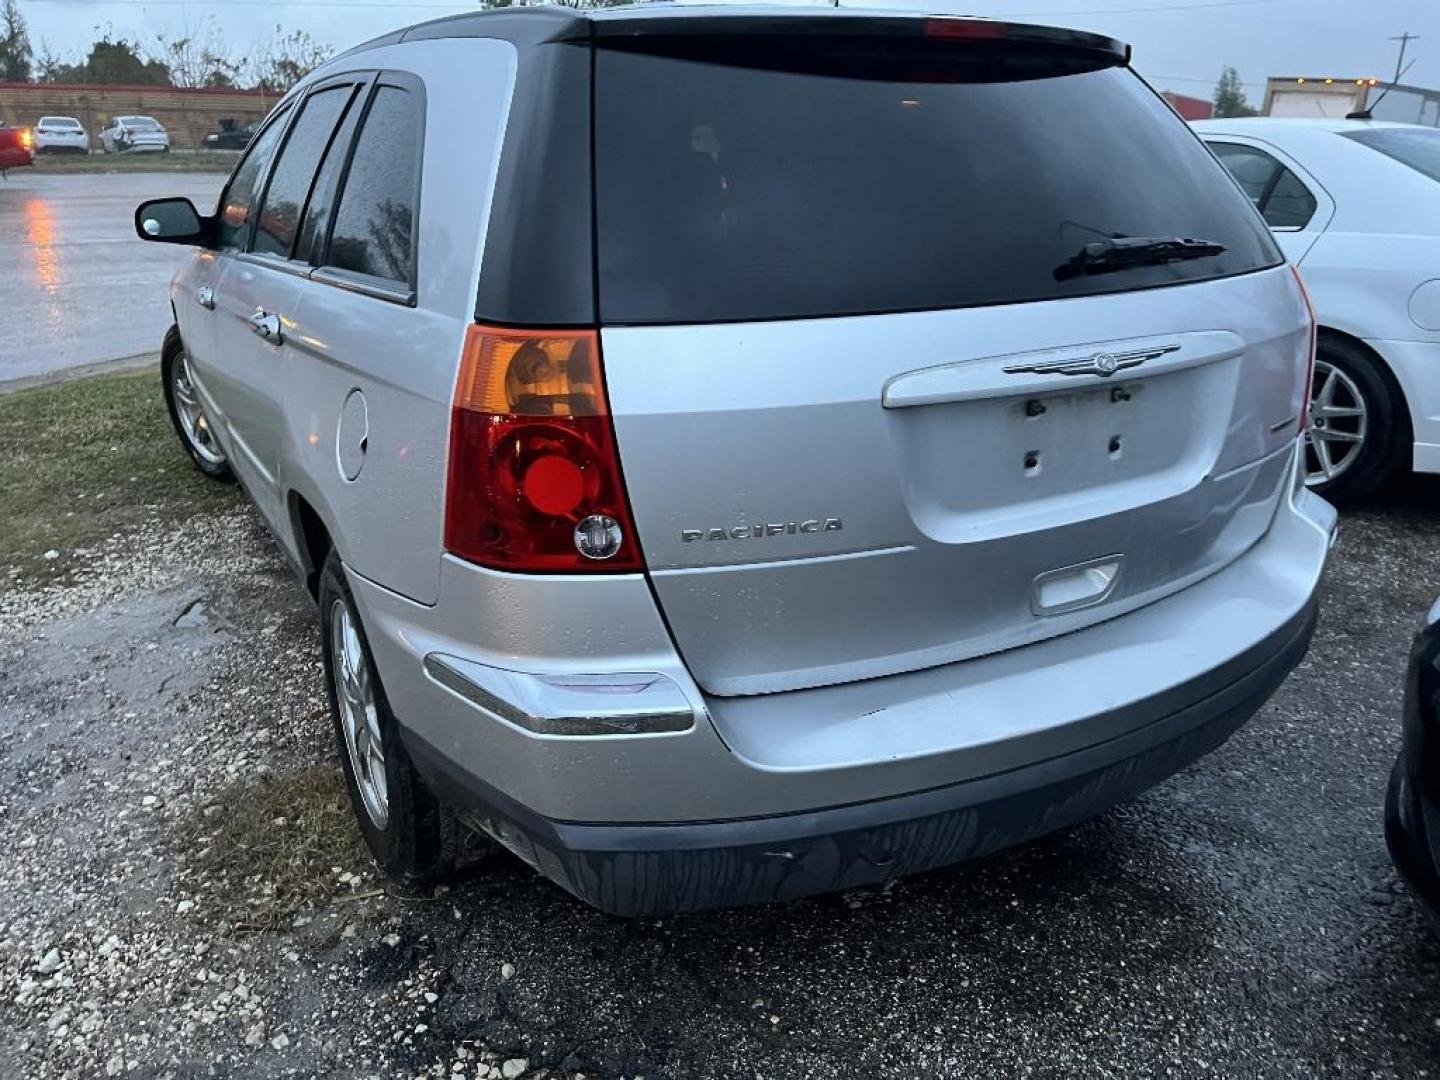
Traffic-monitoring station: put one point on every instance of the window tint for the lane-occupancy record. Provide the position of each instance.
(1416, 147)
(239, 195)
(742, 192)
(325, 188)
(1290, 204)
(1280, 196)
(375, 219)
(279, 218)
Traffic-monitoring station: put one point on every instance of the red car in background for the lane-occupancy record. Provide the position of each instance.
(17, 147)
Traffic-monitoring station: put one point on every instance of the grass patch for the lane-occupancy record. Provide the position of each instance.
(260, 853)
(86, 459)
(180, 161)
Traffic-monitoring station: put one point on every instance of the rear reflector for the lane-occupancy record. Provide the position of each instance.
(534, 483)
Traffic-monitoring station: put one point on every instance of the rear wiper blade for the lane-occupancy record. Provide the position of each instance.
(1103, 256)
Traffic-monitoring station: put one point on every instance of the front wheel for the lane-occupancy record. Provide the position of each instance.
(400, 819)
(1358, 437)
(186, 413)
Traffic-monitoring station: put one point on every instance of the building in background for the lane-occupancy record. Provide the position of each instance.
(1324, 98)
(187, 114)
(1189, 108)
(1333, 99)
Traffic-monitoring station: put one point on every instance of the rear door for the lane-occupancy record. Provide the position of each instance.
(875, 409)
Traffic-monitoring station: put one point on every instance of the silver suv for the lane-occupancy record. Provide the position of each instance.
(744, 453)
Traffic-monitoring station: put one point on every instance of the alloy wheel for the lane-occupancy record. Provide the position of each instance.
(192, 417)
(359, 719)
(1339, 422)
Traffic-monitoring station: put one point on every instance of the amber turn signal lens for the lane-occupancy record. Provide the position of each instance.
(518, 373)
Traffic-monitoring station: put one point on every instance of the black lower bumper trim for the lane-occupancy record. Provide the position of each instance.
(652, 869)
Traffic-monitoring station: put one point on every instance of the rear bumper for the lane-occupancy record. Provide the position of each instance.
(650, 869)
(13, 157)
(763, 798)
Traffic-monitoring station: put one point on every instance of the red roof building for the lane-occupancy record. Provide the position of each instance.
(1189, 108)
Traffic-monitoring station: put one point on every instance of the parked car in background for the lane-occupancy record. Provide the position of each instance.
(772, 485)
(61, 135)
(230, 136)
(1355, 204)
(134, 134)
(17, 147)
(1412, 806)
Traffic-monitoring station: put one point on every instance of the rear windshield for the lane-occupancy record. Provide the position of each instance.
(728, 193)
(59, 121)
(140, 123)
(1417, 147)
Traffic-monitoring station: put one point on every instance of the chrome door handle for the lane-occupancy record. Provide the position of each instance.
(205, 297)
(266, 324)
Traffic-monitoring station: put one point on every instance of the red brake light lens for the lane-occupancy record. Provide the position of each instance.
(968, 29)
(534, 483)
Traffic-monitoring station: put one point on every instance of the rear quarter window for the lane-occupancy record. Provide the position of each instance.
(745, 192)
(374, 228)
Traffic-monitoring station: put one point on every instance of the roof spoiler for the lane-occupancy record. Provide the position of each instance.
(842, 23)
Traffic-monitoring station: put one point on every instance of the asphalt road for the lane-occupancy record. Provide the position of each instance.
(76, 284)
(1241, 919)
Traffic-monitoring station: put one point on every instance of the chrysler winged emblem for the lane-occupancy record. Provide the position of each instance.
(1103, 364)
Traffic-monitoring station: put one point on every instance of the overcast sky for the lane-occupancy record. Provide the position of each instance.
(1179, 44)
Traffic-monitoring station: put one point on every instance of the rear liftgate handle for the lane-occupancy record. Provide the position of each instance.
(266, 324)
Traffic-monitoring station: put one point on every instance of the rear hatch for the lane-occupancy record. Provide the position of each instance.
(877, 409)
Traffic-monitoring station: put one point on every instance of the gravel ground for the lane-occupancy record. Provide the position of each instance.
(1241, 919)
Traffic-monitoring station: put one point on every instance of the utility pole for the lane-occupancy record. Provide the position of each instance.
(1404, 40)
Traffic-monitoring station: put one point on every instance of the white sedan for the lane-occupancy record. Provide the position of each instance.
(61, 134)
(1355, 204)
(133, 135)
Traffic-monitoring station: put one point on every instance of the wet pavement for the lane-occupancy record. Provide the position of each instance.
(1241, 919)
(76, 284)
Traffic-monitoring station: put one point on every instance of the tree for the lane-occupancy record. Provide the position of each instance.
(1230, 95)
(111, 60)
(285, 59)
(15, 51)
(197, 55)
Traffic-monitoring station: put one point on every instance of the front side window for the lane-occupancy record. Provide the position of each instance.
(1281, 197)
(374, 230)
(238, 199)
(290, 180)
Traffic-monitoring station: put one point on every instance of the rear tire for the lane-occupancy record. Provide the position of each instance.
(1358, 437)
(186, 414)
(401, 820)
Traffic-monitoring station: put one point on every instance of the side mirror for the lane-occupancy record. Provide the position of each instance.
(171, 221)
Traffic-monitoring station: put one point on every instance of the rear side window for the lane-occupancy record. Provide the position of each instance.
(1280, 196)
(1418, 148)
(290, 180)
(238, 198)
(374, 230)
(749, 192)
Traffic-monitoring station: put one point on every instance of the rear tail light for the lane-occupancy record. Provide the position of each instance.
(27, 140)
(534, 482)
(1310, 355)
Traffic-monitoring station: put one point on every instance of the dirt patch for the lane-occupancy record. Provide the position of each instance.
(259, 853)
